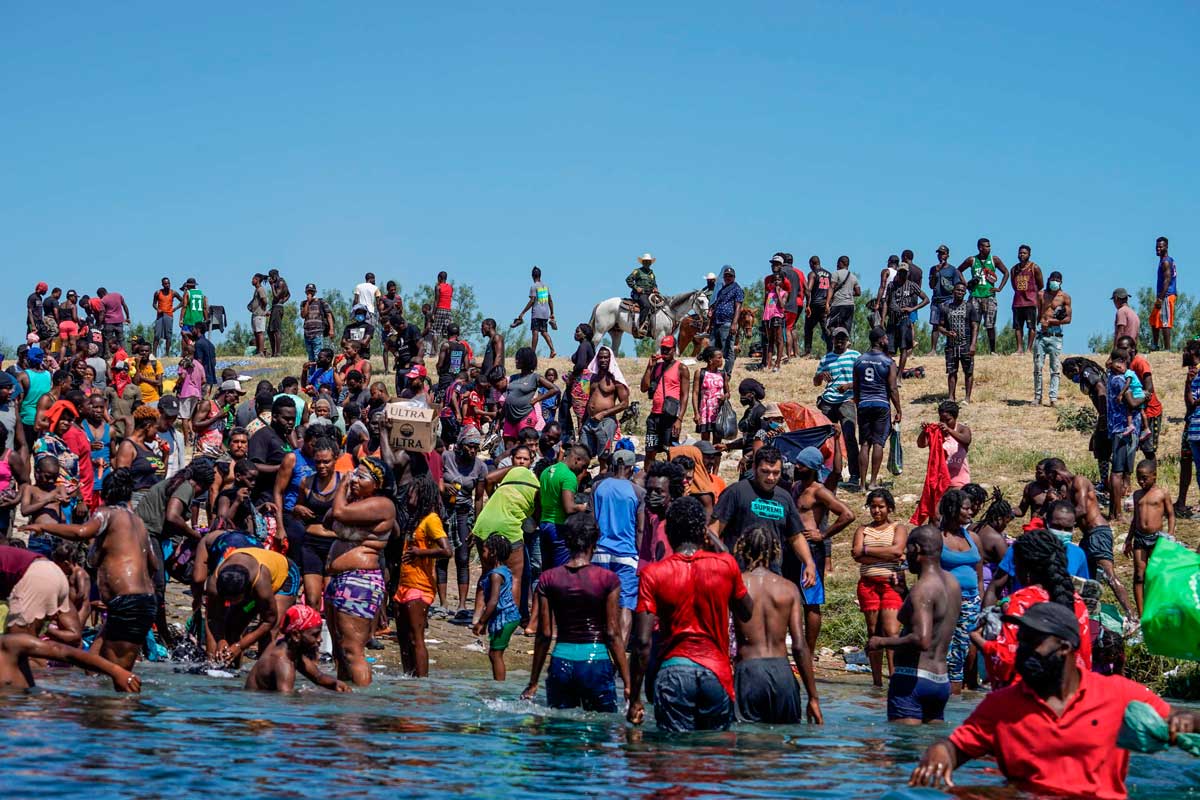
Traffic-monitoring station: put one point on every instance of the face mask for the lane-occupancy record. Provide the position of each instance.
(1054, 286)
(1063, 536)
(747, 401)
(1042, 674)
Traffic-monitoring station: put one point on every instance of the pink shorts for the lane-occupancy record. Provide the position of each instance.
(407, 594)
(510, 430)
(67, 329)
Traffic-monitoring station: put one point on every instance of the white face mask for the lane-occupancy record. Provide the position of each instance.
(1063, 536)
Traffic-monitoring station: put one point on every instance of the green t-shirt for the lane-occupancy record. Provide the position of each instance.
(985, 273)
(193, 307)
(153, 508)
(554, 480)
(509, 506)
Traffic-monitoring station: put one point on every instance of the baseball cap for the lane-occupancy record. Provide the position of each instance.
(35, 355)
(777, 259)
(667, 341)
(624, 458)
(1120, 294)
(41, 287)
(417, 371)
(706, 448)
(941, 248)
(231, 386)
(1054, 619)
(169, 405)
(810, 457)
(839, 331)
(312, 287)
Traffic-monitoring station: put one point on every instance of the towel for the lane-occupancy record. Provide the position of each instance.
(937, 478)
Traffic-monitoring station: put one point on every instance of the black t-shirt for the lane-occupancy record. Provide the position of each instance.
(34, 304)
(743, 506)
(405, 343)
(50, 308)
(266, 447)
(583, 355)
(359, 332)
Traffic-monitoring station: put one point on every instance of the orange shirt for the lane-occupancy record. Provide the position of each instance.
(419, 574)
(164, 302)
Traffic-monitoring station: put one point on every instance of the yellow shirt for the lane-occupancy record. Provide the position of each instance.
(151, 371)
(419, 573)
(276, 564)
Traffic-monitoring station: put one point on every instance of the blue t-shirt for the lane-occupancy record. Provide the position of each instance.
(841, 370)
(724, 299)
(871, 372)
(944, 281)
(1076, 565)
(1171, 271)
(1119, 414)
(616, 502)
(1193, 423)
(322, 379)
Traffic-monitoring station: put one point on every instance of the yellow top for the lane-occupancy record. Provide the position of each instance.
(276, 564)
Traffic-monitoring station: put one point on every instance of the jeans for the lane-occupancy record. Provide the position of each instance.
(688, 697)
(722, 333)
(533, 569)
(590, 684)
(1046, 346)
(314, 345)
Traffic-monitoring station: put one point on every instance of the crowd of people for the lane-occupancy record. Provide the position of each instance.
(289, 511)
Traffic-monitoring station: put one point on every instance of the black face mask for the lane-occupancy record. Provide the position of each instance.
(1042, 674)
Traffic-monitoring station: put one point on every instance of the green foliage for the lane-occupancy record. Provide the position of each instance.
(1167, 676)
(842, 620)
(1187, 322)
(239, 340)
(1081, 419)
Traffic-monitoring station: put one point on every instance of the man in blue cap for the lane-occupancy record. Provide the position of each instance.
(815, 504)
(724, 309)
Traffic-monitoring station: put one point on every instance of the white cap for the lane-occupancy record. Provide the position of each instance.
(710, 277)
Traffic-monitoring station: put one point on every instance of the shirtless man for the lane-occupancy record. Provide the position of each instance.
(295, 650)
(763, 682)
(41, 501)
(126, 564)
(608, 398)
(1054, 311)
(1097, 541)
(920, 685)
(815, 503)
(1037, 493)
(1153, 514)
(17, 648)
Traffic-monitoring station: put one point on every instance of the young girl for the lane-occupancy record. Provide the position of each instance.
(550, 404)
(879, 550)
(495, 609)
(712, 389)
(425, 544)
(774, 299)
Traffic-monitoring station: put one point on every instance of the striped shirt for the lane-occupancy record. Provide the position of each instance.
(841, 370)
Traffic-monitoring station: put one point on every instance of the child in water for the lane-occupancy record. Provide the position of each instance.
(495, 610)
(1151, 505)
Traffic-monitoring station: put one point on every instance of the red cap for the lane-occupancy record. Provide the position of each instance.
(418, 371)
(301, 618)
(41, 287)
(667, 341)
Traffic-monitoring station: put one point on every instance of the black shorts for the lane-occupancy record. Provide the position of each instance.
(767, 691)
(539, 325)
(660, 431)
(900, 336)
(1101, 444)
(956, 359)
(130, 618)
(1024, 316)
(874, 425)
(276, 321)
(313, 553)
(775, 324)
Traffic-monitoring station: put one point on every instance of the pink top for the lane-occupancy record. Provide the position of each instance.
(668, 386)
(712, 385)
(1127, 323)
(114, 314)
(956, 462)
(191, 382)
(6, 474)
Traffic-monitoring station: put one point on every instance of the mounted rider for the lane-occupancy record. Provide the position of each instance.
(642, 287)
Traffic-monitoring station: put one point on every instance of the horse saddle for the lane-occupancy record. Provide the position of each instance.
(630, 305)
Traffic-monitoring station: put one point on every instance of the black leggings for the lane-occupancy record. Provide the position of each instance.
(460, 538)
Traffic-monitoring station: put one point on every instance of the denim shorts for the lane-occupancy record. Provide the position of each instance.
(689, 697)
(587, 684)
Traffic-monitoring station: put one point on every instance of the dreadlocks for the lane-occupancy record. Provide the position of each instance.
(756, 547)
(1041, 557)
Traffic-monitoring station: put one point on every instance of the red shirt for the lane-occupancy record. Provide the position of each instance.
(690, 595)
(443, 292)
(654, 546)
(13, 563)
(77, 440)
(1001, 654)
(1074, 754)
(801, 287)
(1141, 368)
(470, 404)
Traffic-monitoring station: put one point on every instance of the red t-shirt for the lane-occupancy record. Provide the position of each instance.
(690, 595)
(470, 404)
(654, 546)
(443, 293)
(800, 282)
(1074, 754)
(1001, 654)
(1141, 368)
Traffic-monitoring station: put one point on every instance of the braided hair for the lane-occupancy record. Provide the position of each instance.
(1042, 558)
(757, 547)
(998, 511)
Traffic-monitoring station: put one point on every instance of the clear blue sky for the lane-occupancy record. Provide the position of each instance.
(142, 140)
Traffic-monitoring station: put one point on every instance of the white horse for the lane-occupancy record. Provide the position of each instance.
(610, 317)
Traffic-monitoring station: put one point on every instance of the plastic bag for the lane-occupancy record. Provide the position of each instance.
(727, 421)
(1171, 617)
(895, 463)
(1144, 731)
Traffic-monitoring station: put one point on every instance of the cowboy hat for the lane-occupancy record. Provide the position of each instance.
(644, 257)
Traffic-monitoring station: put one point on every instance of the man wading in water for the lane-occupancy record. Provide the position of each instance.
(920, 685)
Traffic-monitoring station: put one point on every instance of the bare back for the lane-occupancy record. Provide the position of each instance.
(936, 600)
(764, 635)
(123, 554)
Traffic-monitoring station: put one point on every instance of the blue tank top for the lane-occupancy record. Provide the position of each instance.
(301, 471)
(871, 372)
(961, 564)
(1170, 281)
(506, 606)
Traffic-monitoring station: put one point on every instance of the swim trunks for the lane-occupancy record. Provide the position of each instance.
(689, 697)
(581, 675)
(767, 691)
(356, 592)
(1097, 545)
(1146, 541)
(625, 572)
(130, 617)
(1164, 317)
(917, 694)
(500, 639)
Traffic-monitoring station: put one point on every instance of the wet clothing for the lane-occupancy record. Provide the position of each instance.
(691, 697)
(130, 618)
(579, 597)
(767, 692)
(356, 592)
(917, 694)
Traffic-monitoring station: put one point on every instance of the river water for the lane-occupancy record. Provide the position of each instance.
(197, 736)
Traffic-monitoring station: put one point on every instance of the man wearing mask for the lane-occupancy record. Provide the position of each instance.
(724, 308)
(943, 277)
(642, 284)
(360, 330)
(1055, 305)
(984, 288)
(1054, 731)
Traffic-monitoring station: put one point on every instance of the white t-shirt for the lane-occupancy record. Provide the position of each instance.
(365, 294)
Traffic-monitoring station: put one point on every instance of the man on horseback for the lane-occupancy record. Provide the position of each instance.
(642, 286)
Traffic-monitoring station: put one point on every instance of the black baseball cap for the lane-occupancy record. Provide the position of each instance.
(1053, 619)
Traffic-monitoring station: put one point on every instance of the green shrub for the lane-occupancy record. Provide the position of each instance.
(1077, 418)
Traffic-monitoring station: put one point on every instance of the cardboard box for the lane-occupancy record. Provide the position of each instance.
(411, 426)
